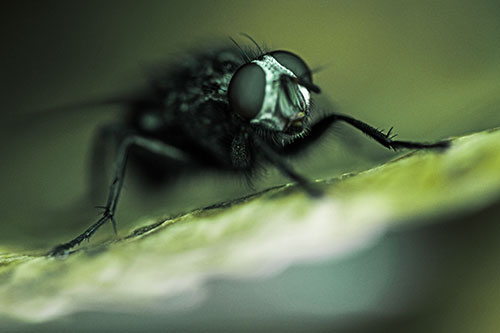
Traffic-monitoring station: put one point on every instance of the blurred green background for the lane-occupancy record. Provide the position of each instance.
(431, 69)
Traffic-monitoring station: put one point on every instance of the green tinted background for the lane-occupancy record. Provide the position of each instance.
(431, 69)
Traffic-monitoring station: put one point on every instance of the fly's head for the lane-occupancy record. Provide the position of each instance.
(273, 92)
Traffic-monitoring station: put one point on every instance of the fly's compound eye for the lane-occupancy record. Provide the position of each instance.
(298, 66)
(246, 90)
(294, 63)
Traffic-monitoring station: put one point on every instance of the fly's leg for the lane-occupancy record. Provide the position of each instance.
(149, 144)
(106, 142)
(385, 139)
(319, 129)
(286, 169)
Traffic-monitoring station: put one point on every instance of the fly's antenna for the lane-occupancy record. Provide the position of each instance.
(309, 85)
(253, 41)
(302, 80)
(243, 54)
(317, 69)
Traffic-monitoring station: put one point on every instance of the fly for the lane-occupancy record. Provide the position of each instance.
(232, 110)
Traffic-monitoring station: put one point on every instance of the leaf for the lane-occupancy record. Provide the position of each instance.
(254, 237)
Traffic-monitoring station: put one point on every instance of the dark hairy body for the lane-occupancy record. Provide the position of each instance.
(189, 110)
(230, 110)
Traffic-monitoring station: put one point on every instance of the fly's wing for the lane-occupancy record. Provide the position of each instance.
(125, 101)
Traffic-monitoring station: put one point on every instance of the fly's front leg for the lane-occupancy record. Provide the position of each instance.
(286, 169)
(318, 129)
(386, 139)
(149, 144)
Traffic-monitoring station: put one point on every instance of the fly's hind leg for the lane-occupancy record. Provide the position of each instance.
(127, 142)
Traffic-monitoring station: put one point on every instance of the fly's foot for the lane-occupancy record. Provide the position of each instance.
(388, 140)
(61, 251)
(64, 250)
(314, 192)
(441, 144)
